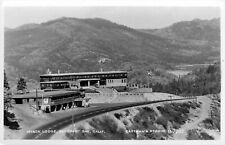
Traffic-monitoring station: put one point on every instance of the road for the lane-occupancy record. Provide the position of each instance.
(46, 131)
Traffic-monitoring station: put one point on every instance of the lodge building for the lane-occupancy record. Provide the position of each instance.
(83, 80)
(52, 100)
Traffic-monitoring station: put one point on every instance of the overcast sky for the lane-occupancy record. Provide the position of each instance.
(135, 17)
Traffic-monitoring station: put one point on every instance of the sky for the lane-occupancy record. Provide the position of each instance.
(134, 17)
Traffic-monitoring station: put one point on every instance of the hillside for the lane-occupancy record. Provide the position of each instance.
(207, 30)
(184, 120)
(75, 45)
(198, 35)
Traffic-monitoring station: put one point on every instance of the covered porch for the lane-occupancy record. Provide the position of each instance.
(89, 82)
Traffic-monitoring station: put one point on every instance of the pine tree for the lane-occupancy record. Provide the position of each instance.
(6, 84)
(21, 85)
(7, 98)
(8, 116)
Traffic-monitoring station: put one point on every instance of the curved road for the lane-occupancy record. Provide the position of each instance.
(47, 130)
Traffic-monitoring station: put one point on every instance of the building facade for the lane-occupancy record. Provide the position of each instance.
(82, 80)
(53, 100)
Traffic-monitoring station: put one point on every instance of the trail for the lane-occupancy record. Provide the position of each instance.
(203, 114)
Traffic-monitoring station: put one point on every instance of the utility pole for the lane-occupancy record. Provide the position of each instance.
(36, 100)
(73, 122)
(149, 74)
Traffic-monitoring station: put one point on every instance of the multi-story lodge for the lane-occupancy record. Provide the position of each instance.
(84, 79)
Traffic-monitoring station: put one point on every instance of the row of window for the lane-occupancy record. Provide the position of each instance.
(122, 81)
(50, 85)
(110, 81)
(81, 77)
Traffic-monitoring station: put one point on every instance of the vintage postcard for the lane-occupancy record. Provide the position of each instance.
(112, 72)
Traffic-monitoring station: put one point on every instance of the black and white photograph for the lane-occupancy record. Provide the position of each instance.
(112, 72)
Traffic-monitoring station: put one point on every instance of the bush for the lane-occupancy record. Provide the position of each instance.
(205, 136)
(118, 115)
(162, 121)
(196, 134)
(193, 135)
(176, 125)
(14, 125)
(208, 121)
(9, 120)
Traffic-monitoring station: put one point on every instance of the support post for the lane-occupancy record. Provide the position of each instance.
(36, 100)
(98, 83)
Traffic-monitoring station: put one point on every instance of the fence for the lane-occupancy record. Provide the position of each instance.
(119, 94)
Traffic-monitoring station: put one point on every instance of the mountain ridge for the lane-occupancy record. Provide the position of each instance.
(76, 45)
(173, 31)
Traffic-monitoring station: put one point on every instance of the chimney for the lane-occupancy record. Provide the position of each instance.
(48, 71)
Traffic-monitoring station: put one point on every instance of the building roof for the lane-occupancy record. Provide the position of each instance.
(50, 94)
(85, 73)
(52, 82)
(142, 90)
(81, 99)
(92, 79)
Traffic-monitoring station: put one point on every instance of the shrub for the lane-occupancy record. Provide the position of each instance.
(208, 121)
(118, 115)
(176, 125)
(205, 136)
(9, 120)
(162, 121)
(196, 134)
(14, 125)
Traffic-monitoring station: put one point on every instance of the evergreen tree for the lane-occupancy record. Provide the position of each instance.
(21, 85)
(8, 116)
(6, 84)
(7, 98)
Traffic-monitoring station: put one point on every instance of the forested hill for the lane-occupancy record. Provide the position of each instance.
(75, 45)
(200, 82)
(205, 30)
